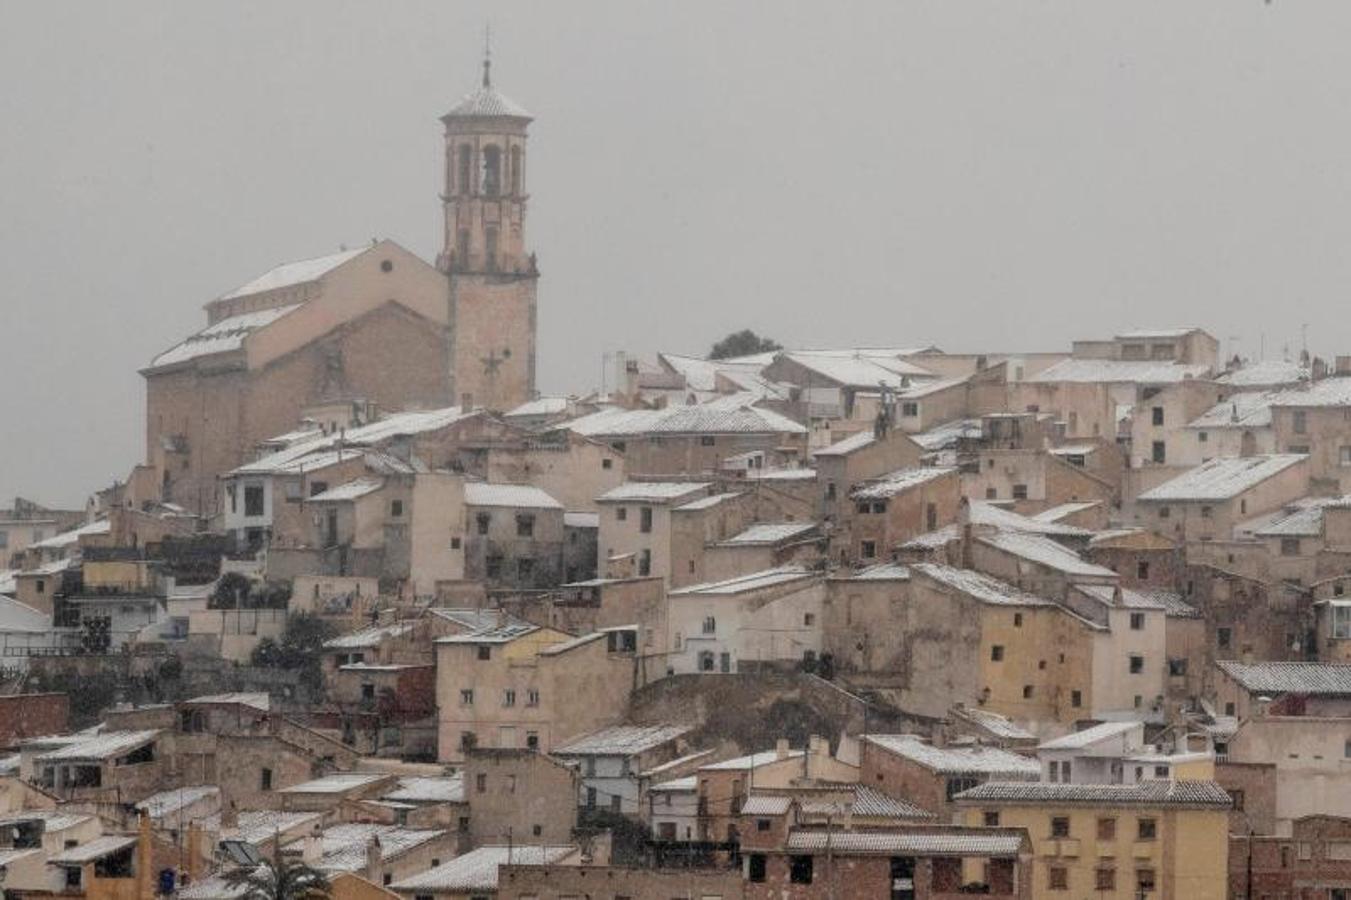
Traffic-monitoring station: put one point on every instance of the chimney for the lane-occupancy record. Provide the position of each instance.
(312, 850)
(964, 526)
(373, 856)
(781, 748)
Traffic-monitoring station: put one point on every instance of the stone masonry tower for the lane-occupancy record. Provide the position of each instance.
(492, 277)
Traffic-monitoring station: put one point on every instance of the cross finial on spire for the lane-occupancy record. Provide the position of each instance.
(487, 55)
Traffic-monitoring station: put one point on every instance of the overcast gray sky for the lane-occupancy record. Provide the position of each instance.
(992, 175)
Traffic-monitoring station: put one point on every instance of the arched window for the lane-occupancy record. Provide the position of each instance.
(515, 171)
(466, 172)
(492, 170)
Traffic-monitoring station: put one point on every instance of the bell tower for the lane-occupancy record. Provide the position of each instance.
(492, 278)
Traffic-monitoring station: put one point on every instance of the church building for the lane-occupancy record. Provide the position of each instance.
(341, 339)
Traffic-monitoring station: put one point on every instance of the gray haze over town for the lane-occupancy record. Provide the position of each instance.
(645, 451)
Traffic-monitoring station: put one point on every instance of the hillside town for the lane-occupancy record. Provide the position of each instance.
(378, 608)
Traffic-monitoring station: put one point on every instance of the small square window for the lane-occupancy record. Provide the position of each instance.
(622, 514)
(1147, 830)
(1060, 827)
(607, 463)
(1137, 664)
(1027, 692)
(868, 550)
(1137, 621)
(395, 508)
(991, 818)
(997, 653)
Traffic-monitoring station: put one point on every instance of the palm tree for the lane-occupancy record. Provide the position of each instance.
(279, 879)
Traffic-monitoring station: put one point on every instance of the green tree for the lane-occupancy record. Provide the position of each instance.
(279, 879)
(232, 592)
(743, 343)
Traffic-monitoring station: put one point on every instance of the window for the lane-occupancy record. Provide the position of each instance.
(1202, 437)
(1017, 620)
(755, 866)
(492, 170)
(607, 463)
(868, 549)
(1147, 830)
(1020, 492)
(462, 248)
(707, 662)
(1076, 699)
(622, 514)
(1344, 455)
(525, 525)
(710, 625)
(800, 869)
(1105, 879)
(485, 652)
(466, 696)
(645, 563)
(991, 818)
(1054, 772)
(707, 440)
(1142, 570)
(909, 408)
(1027, 692)
(879, 506)
(466, 167)
(1206, 512)
(532, 697)
(532, 740)
(808, 619)
(1157, 415)
(1137, 664)
(1058, 878)
(1159, 452)
(318, 487)
(395, 508)
(492, 566)
(265, 779)
(455, 543)
(957, 785)
(1236, 797)
(1164, 512)
(830, 490)
(991, 494)
(997, 653)
(1300, 422)
(509, 697)
(1107, 829)
(1222, 637)
(1177, 667)
(1137, 621)
(1060, 827)
(1289, 546)
(481, 783)
(930, 517)
(482, 521)
(253, 499)
(1144, 881)
(645, 520)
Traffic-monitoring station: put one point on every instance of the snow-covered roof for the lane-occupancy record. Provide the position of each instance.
(221, 337)
(984, 513)
(702, 374)
(1265, 372)
(171, 801)
(1303, 518)
(975, 584)
(743, 583)
(521, 496)
(899, 481)
(1327, 679)
(1249, 409)
(1223, 478)
(865, 371)
(708, 502)
(771, 533)
(1045, 552)
(1334, 391)
(419, 789)
(766, 805)
(1053, 515)
(371, 636)
(677, 785)
(100, 747)
(350, 490)
(651, 491)
(344, 847)
(733, 414)
(52, 819)
(336, 783)
(89, 851)
(254, 826)
(259, 700)
(16, 617)
(292, 273)
(956, 759)
(1117, 371)
(1146, 334)
(68, 538)
(496, 634)
(994, 723)
(487, 101)
(1078, 740)
(477, 870)
(882, 572)
(851, 444)
(1103, 796)
(621, 740)
(946, 436)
